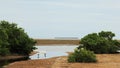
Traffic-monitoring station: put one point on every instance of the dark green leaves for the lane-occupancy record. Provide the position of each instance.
(100, 43)
(14, 39)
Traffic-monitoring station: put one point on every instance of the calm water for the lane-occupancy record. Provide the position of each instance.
(53, 51)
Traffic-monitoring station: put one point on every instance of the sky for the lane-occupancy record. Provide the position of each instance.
(62, 18)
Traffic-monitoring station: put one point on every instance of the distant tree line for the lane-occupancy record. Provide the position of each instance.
(14, 40)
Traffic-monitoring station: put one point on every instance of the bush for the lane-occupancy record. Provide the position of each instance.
(71, 58)
(4, 51)
(14, 39)
(82, 55)
(100, 43)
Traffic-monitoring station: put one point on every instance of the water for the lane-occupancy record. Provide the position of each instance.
(49, 51)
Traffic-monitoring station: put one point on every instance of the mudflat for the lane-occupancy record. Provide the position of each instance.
(54, 41)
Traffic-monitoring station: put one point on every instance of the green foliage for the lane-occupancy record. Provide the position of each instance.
(82, 55)
(14, 39)
(3, 43)
(4, 51)
(107, 35)
(71, 58)
(100, 43)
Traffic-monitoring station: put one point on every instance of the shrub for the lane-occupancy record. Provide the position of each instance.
(4, 51)
(100, 43)
(14, 39)
(71, 58)
(82, 55)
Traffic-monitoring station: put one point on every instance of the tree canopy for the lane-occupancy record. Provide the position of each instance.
(14, 40)
(107, 35)
(101, 42)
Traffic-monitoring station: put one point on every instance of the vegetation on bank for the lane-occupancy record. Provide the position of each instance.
(82, 55)
(14, 40)
(99, 43)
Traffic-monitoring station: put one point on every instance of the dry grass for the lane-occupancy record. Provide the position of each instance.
(104, 61)
(42, 63)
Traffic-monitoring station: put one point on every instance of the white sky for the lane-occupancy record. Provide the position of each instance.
(62, 18)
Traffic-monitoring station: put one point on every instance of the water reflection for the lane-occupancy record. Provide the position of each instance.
(52, 51)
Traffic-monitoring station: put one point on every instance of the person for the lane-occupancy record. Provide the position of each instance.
(44, 54)
(38, 55)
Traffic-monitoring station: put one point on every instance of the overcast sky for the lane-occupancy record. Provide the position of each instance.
(62, 18)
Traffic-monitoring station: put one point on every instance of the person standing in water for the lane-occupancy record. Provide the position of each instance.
(38, 55)
(45, 55)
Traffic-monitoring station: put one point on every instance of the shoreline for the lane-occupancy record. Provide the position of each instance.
(6, 60)
(15, 56)
(104, 61)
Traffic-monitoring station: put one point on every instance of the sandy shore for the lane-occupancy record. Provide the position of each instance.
(104, 61)
(41, 63)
